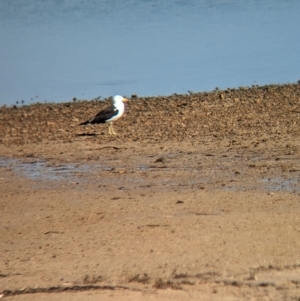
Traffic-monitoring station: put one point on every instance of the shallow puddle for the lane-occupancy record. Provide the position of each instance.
(41, 170)
(281, 184)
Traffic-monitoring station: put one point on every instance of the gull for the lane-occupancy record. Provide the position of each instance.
(109, 114)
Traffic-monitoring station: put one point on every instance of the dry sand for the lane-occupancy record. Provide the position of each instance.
(196, 198)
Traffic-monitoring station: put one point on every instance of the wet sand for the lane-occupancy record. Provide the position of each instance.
(197, 197)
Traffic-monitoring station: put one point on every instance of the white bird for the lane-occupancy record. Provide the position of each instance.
(109, 114)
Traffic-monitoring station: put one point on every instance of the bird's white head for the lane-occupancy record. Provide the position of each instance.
(118, 99)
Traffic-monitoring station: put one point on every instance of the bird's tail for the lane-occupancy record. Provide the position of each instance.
(84, 123)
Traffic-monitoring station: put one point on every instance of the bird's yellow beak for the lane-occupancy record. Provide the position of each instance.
(125, 99)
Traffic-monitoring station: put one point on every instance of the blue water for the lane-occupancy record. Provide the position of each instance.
(54, 50)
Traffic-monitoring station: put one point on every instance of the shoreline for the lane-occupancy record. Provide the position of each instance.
(21, 104)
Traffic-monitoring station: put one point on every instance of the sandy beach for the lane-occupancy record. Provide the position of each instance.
(196, 198)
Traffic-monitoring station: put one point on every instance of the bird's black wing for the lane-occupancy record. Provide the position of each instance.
(105, 115)
(102, 116)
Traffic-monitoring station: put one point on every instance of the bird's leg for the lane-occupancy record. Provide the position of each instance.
(112, 130)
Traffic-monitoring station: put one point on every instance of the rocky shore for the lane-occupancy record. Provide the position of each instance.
(223, 113)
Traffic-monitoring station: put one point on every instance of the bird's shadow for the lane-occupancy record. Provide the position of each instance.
(88, 134)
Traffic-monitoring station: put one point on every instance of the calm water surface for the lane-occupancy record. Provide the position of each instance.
(54, 50)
